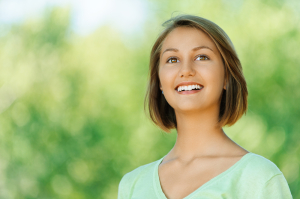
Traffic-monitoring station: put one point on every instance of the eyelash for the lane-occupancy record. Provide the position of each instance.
(205, 58)
(168, 61)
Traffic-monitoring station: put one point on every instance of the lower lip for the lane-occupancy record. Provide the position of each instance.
(188, 92)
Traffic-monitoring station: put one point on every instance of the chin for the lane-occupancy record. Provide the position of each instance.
(188, 108)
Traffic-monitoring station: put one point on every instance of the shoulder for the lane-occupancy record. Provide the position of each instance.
(141, 173)
(258, 169)
(267, 178)
(259, 177)
(141, 170)
(261, 166)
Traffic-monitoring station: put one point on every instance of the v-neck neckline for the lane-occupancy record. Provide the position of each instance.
(160, 193)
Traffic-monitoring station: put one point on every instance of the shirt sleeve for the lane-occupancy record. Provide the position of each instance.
(276, 187)
(123, 190)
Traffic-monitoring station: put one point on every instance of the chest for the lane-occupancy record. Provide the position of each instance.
(178, 181)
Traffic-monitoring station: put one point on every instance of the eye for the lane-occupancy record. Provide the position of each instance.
(202, 57)
(172, 60)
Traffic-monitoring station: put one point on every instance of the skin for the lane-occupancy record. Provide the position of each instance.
(202, 149)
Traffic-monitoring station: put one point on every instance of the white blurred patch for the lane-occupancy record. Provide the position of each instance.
(87, 16)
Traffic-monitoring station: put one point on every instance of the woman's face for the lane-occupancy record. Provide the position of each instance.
(189, 59)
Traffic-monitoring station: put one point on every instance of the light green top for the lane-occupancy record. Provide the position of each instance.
(252, 177)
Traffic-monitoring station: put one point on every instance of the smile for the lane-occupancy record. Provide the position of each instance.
(189, 88)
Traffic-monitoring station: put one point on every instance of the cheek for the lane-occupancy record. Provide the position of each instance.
(218, 71)
(214, 78)
(166, 76)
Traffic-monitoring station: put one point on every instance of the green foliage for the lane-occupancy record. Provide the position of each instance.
(72, 121)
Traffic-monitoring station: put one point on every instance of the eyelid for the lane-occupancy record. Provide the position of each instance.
(168, 59)
(202, 55)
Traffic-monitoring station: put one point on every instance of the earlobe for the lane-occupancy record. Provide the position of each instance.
(225, 86)
(225, 81)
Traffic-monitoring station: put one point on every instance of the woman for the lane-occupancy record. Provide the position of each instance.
(197, 86)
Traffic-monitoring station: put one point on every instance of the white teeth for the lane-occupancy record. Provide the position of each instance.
(188, 88)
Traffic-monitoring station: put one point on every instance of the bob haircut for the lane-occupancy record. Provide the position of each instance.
(233, 103)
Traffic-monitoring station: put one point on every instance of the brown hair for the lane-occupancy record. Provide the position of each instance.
(233, 100)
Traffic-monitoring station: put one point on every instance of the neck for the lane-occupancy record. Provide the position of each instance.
(197, 135)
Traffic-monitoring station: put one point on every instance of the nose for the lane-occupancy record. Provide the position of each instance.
(187, 69)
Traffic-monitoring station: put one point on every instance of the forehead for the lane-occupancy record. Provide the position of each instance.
(187, 37)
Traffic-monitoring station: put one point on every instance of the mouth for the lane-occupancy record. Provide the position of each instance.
(193, 87)
(189, 89)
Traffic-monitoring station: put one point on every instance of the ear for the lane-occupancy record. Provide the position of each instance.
(225, 85)
(160, 86)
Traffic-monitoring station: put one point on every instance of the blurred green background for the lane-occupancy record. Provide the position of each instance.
(72, 121)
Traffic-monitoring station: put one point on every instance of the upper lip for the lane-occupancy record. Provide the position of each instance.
(188, 83)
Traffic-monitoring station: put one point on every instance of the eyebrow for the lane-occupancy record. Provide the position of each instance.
(170, 49)
(194, 49)
(200, 47)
